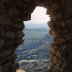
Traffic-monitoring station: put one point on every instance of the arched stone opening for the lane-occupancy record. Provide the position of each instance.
(12, 15)
(34, 54)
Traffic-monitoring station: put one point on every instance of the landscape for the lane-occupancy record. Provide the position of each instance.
(34, 54)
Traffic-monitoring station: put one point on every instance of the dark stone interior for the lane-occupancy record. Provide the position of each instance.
(12, 15)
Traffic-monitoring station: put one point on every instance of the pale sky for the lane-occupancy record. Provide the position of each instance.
(38, 16)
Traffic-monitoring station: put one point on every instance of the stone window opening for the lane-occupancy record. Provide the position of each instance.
(12, 15)
(39, 20)
(11, 26)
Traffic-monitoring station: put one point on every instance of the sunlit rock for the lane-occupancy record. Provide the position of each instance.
(19, 70)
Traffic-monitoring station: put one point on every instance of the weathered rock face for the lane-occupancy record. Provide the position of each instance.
(12, 15)
(60, 28)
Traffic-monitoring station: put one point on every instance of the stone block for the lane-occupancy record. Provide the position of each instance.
(1, 68)
(1, 42)
(10, 34)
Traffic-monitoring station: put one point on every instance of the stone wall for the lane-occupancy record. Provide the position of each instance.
(61, 28)
(12, 15)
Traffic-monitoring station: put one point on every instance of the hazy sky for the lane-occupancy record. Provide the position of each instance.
(37, 17)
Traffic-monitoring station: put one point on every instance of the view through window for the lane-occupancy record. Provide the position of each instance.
(33, 55)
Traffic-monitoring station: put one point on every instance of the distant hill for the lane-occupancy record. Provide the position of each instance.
(36, 26)
(34, 54)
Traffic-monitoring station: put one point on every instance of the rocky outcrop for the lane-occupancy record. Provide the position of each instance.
(12, 15)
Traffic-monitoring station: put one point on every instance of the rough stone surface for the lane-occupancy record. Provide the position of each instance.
(12, 15)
